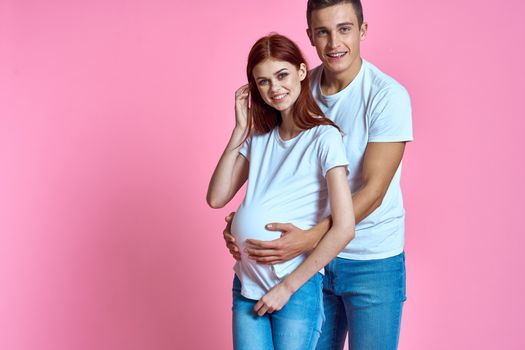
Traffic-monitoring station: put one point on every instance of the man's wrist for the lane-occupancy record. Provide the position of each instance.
(315, 237)
(317, 232)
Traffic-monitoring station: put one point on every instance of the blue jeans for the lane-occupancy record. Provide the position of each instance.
(363, 298)
(296, 326)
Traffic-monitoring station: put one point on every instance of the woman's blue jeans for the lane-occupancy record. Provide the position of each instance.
(296, 326)
(364, 299)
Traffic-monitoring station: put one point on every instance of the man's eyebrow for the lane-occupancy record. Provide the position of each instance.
(337, 25)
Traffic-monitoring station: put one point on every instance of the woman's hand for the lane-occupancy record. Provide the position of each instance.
(231, 244)
(274, 300)
(241, 106)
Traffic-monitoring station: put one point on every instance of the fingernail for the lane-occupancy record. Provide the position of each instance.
(269, 226)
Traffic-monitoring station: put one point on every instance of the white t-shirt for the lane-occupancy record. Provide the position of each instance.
(286, 183)
(372, 108)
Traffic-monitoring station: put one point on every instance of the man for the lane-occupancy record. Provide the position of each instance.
(364, 287)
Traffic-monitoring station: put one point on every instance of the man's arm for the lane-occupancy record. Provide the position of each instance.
(380, 163)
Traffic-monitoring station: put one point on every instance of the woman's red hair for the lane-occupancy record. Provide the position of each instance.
(262, 118)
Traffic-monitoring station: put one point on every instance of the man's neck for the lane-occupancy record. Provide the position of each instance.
(332, 83)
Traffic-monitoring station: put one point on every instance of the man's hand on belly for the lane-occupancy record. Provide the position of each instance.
(293, 242)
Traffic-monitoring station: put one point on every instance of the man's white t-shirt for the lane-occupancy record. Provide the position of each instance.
(372, 108)
(286, 183)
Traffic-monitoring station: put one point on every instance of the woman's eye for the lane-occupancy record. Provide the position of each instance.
(282, 75)
(263, 82)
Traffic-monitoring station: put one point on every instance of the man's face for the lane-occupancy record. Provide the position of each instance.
(336, 35)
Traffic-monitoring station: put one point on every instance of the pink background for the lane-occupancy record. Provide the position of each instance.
(113, 114)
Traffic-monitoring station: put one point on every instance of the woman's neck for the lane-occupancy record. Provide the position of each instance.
(288, 130)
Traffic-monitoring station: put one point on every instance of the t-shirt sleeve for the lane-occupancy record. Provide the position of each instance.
(391, 116)
(245, 148)
(331, 150)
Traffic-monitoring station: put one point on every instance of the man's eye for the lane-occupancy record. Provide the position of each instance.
(345, 29)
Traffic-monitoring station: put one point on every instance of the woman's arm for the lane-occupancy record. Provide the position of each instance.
(341, 232)
(232, 170)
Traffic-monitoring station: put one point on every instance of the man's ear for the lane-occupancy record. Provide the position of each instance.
(309, 33)
(363, 30)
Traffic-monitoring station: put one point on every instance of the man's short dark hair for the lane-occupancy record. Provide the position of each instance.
(321, 4)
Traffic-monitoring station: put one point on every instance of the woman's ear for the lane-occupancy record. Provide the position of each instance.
(302, 71)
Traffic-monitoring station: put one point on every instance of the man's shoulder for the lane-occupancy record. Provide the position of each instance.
(315, 73)
(381, 83)
(316, 69)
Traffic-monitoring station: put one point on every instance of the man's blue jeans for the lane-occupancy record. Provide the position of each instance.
(363, 298)
(296, 326)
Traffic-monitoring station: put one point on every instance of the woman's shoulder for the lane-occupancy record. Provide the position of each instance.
(325, 130)
(256, 136)
(322, 135)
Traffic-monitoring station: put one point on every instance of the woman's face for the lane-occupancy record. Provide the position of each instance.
(279, 83)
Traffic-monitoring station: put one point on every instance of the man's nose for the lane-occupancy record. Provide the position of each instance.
(333, 41)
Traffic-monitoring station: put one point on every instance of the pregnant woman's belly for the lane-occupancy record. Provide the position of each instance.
(249, 223)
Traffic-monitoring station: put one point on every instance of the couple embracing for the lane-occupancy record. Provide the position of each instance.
(319, 236)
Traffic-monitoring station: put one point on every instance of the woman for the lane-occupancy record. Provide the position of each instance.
(294, 160)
